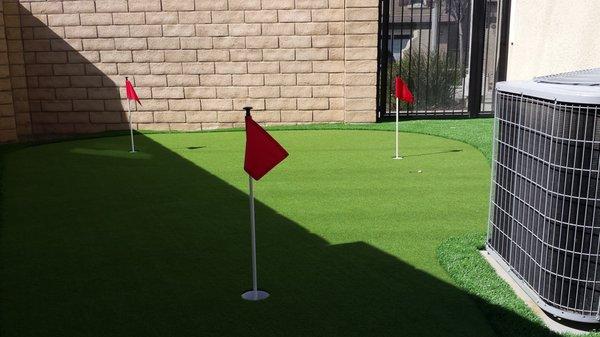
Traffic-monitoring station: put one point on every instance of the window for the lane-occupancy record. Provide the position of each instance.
(397, 44)
(418, 3)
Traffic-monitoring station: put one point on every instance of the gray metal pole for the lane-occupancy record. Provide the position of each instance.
(397, 128)
(477, 56)
(253, 235)
(130, 125)
(254, 294)
(435, 13)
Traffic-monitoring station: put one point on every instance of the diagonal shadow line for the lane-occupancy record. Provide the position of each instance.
(432, 153)
(159, 246)
(67, 91)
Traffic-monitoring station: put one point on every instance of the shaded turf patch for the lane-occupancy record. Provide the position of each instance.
(94, 243)
(460, 257)
(347, 265)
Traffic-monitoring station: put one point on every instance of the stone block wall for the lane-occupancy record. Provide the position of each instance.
(195, 63)
(8, 131)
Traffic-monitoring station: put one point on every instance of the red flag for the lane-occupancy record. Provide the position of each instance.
(131, 94)
(402, 91)
(262, 151)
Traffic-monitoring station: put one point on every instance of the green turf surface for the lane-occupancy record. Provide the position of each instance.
(476, 131)
(461, 257)
(97, 242)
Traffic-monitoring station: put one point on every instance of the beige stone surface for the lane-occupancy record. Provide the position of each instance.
(552, 36)
(194, 63)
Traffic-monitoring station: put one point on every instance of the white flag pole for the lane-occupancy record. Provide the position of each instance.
(130, 124)
(397, 127)
(254, 294)
(253, 235)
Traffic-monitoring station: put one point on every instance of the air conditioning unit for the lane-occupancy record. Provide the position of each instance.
(544, 224)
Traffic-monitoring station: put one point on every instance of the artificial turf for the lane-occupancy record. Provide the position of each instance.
(461, 257)
(473, 131)
(98, 242)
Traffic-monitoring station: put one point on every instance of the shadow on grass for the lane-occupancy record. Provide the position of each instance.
(433, 153)
(98, 243)
(461, 258)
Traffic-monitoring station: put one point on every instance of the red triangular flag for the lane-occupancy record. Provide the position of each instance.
(262, 151)
(131, 94)
(402, 91)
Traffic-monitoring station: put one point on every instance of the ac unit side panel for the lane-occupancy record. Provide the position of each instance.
(545, 214)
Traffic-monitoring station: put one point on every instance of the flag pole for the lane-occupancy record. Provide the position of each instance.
(397, 127)
(254, 294)
(130, 125)
(253, 235)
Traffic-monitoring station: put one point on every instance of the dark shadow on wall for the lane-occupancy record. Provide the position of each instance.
(97, 242)
(68, 90)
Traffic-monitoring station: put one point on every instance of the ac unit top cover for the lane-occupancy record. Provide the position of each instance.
(581, 87)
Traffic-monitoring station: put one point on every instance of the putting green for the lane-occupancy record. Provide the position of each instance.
(99, 242)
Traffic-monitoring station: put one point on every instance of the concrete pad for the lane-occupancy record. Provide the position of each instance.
(550, 321)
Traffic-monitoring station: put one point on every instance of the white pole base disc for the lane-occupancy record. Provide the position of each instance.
(398, 158)
(133, 151)
(252, 295)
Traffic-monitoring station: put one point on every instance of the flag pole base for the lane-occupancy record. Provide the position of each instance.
(398, 157)
(252, 295)
(133, 151)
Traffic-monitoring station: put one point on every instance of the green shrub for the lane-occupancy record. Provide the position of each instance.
(431, 77)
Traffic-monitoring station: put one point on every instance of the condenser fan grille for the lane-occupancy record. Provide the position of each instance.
(545, 214)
